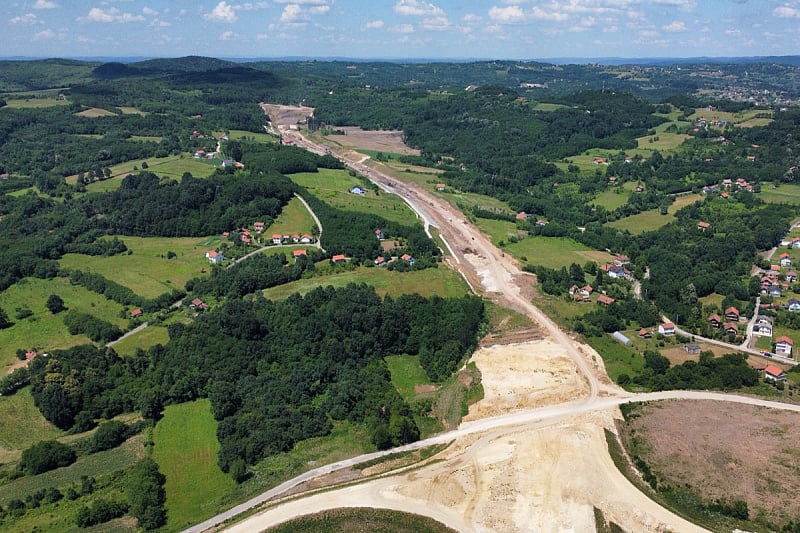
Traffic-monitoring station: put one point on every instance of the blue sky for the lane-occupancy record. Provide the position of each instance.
(499, 29)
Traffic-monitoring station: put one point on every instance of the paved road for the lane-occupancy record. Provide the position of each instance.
(135, 330)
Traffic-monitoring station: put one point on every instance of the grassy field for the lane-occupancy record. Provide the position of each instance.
(147, 271)
(94, 112)
(617, 358)
(439, 281)
(294, 219)
(555, 252)
(333, 187)
(238, 135)
(131, 111)
(16, 436)
(170, 167)
(43, 330)
(186, 452)
(784, 193)
(743, 119)
(612, 198)
(653, 219)
(406, 373)
(34, 103)
(144, 339)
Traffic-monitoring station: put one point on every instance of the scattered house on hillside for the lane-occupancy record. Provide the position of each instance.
(703, 225)
(715, 320)
(612, 180)
(379, 234)
(667, 328)
(136, 313)
(380, 261)
(199, 154)
(586, 290)
(258, 226)
(724, 196)
(622, 338)
(793, 305)
(580, 297)
(277, 238)
(692, 349)
(295, 238)
(574, 289)
(338, 258)
(521, 216)
(407, 258)
(599, 161)
(299, 253)
(795, 242)
(541, 222)
(214, 257)
(306, 239)
(731, 327)
(645, 333)
(786, 259)
(791, 276)
(775, 291)
(732, 314)
(783, 346)
(621, 260)
(763, 326)
(31, 355)
(361, 191)
(227, 163)
(639, 188)
(198, 304)
(775, 269)
(605, 300)
(773, 373)
(440, 186)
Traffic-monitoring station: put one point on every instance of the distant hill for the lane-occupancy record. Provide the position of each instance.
(183, 64)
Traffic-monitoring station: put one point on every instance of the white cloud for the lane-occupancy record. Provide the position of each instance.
(683, 5)
(417, 8)
(786, 12)
(436, 24)
(110, 15)
(44, 35)
(675, 26)
(733, 32)
(158, 23)
(44, 4)
(402, 28)
(471, 18)
(291, 13)
(149, 12)
(226, 36)
(222, 13)
(307, 2)
(373, 25)
(506, 15)
(546, 14)
(27, 18)
(319, 10)
(262, 37)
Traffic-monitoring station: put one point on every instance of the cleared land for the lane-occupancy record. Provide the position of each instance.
(34, 103)
(147, 271)
(94, 112)
(144, 339)
(185, 449)
(439, 281)
(724, 450)
(333, 187)
(653, 219)
(294, 219)
(172, 167)
(784, 193)
(390, 142)
(555, 252)
(44, 330)
(15, 436)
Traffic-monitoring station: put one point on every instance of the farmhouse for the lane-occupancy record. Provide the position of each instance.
(692, 349)
(763, 326)
(732, 314)
(258, 226)
(440, 186)
(605, 300)
(730, 327)
(783, 346)
(380, 261)
(703, 226)
(773, 373)
(339, 258)
(715, 320)
(277, 238)
(198, 304)
(645, 333)
(407, 258)
(379, 234)
(667, 328)
(299, 253)
(793, 305)
(214, 257)
(521, 216)
(786, 259)
(306, 238)
(136, 313)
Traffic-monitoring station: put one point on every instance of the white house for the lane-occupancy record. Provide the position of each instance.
(667, 328)
(214, 257)
(793, 304)
(783, 346)
(774, 373)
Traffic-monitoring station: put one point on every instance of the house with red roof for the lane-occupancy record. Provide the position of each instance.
(732, 314)
(407, 258)
(645, 333)
(773, 373)
(338, 258)
(795, 242)
(703, 225)
(277, 238)
(380, 261)
(715, 320)
(299, 253)
(667, 328)
(786, 259)
(258, 226)
(731, 327)
(306, 238)
(605, 300)
(783, 346)
(521, 216)
(379, 234)
(440, 186)
(214, 257)
(136, 313)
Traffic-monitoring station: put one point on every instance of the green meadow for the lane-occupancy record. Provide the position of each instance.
(294, 219)
(147, 271)
(238, 135)
(432, 281)
(653, 219)
(16, 436)
(784, 193)
(333, 187)
(34, 103)
(185, 449)
(144, 339)
(43, 330)
(406, 373)
(612, 198)
(173, 167)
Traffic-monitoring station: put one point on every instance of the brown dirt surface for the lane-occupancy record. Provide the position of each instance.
(284, 115)
(724, 450)
(388, 141)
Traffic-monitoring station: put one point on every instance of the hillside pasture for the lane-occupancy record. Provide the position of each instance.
(94, 112)
(147, 271)
(432, 281)
(172, 167)
(612, 198)
(15, 436)
(294, 219)
(34, 103)
(144, 339)
(744, 119)
(185, 449)
(240, 135)
(653, 219)
(333, 187)
(44, 330)
(555, 252)
(788, 193)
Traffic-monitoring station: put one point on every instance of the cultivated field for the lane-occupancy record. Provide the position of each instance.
(34, 103)
(389, 142)
(238, 135)
(612, 198)
(147, 271)
(723, 450)
(333, 187)
(43, 330)
(784, 193)
(94, 112)
(653, 219)
(185, 449)
(439, 281)
(16, 436)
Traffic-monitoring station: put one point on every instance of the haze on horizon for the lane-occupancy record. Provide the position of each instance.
(446, 29)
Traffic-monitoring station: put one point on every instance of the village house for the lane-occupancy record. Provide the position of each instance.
(440, 187)
(306, 239)
(692, 349)
(380, 261)
(793, 305)
(791, 276)
(586, 290)
(379, 234)
(645, 333)
(299, 253)
(339, 258)
(521, 216)
(605, 300)
(703, 225)
(731, 327)
(407, 258)
(715, 320)
(214, 257)
(775, 291)
(295, 238)
(783, 346)
(732, 314)
(795, 242)
(198, 304)
(136, 313)
(541, 222)
(773, 373)
(258, 226)
(786, 259)
(763, 326)
(667, 328)
(277, 238)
